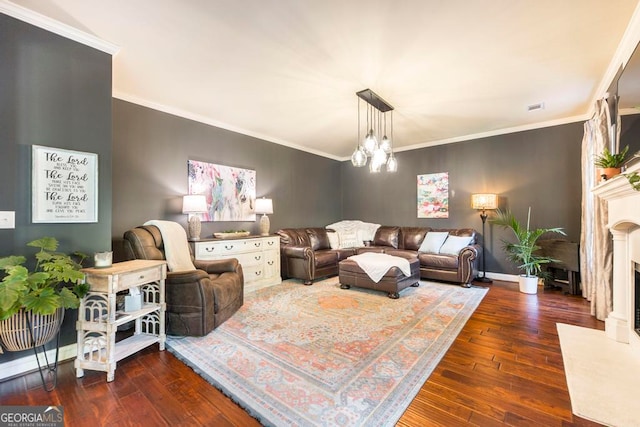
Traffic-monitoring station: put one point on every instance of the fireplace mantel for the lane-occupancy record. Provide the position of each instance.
(624, 224)
(618, 186)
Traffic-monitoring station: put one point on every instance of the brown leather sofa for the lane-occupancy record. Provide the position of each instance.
(198, 301)
(306, 253)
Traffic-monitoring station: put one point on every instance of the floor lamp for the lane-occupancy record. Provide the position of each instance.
(484, 202)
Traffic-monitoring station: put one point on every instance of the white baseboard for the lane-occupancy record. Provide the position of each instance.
(13, 368)
(502, 276)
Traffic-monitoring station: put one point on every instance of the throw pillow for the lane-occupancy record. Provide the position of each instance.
(349, 239)
(433, 241)
(454, 244)
(334, 239)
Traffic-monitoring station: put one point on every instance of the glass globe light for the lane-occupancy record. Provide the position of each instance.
(370, 143)
(359, 157)
(379, 156)
(392, 164)
(385, 144)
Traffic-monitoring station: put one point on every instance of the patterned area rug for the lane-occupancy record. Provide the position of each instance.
(323, 356)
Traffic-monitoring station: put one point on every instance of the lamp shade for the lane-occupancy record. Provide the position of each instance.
(194, 203)
(484, 201)
(264, 206)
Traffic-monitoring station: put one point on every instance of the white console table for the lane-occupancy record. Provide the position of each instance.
(258, 255)
(98, 318)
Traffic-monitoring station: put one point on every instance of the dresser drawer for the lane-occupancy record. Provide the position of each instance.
(272, 243)
(246, 260)
(229, 248)
(253, 273)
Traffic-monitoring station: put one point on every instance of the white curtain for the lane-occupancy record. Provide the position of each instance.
(596, 246)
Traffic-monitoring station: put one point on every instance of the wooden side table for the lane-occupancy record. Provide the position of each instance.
(98, 318)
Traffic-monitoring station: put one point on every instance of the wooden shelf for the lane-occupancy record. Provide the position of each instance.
(134, 344)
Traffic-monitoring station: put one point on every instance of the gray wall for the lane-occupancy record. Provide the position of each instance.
(538, 168)
(56, 93)
(150, 154)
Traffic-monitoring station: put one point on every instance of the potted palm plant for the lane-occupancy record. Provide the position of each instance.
(610, 164)
(32, 302)
(524, 252)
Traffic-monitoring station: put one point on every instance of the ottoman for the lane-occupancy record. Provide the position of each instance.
(393, 281)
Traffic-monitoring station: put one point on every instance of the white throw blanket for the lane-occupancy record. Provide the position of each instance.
(351, 233)
(176, 246)
(376, 265)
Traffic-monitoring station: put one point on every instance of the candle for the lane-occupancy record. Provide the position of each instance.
(103, 259)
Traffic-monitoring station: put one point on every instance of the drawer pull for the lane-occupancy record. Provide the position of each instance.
(258, 273)
(270, 243)
(209, 249)
(270, 262)
(257, 258)
(228, 247)
(256, 244)
(141, 277)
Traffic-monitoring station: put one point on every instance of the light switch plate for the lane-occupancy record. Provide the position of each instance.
(7, 219)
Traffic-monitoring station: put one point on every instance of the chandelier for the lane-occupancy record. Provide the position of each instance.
(373, 149)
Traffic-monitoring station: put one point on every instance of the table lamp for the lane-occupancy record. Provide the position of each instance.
(194, 205)
(264, 207)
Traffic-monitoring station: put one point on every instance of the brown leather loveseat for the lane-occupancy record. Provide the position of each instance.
(198, 301)
(306, 253)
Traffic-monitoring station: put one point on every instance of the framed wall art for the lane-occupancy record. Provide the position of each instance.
(230, 191)
(64, 186)
(433, 195)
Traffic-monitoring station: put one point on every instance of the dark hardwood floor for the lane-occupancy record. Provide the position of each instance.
(505, 368)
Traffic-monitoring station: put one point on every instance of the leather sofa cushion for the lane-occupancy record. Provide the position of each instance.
(293, 237)
(401, 253)
(438, 261)
(318, 238)
(412, 237)
(323, 258)
(387, 236)
(345, 253)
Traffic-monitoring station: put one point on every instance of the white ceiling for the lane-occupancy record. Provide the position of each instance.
(287, 70)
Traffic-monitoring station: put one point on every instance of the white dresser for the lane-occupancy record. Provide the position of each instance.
(258, 255)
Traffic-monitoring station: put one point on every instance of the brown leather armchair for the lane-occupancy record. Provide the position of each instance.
(198, 301)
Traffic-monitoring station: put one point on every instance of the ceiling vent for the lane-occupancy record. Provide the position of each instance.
(536, 107)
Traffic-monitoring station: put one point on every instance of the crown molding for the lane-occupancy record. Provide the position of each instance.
(56, 27)
(208, 121)
(504, 131)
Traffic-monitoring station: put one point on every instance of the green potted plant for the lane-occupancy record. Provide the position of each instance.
(36, 299)
(524, 252)
(610, 164)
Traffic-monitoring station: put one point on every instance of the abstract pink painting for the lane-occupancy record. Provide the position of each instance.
(433, 195)
(230, 192)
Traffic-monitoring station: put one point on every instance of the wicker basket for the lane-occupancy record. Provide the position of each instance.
(15, 334)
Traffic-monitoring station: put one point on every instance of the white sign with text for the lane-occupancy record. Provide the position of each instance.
(64, 186)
